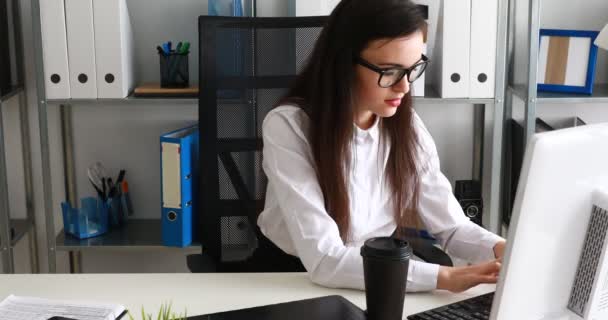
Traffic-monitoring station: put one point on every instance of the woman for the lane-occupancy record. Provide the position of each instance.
(348, 159)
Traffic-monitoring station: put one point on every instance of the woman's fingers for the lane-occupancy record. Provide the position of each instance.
(487, 279)
(489, 267)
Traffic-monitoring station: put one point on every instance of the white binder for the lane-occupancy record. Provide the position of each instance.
(455, 41)
(484, 26)
(54, 49)
(302, 8)
(81, 48)
(113, 48)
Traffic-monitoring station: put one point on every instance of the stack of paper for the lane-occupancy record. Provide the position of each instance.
(27, 308)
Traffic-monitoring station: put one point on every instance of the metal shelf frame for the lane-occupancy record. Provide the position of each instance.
(527, 92)
(483, 108)
(600, 95)
(20, 227)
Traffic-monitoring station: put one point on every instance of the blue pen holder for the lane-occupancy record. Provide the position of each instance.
(90, 220)
(94, 217)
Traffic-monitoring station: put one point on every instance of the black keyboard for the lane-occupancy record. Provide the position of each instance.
(476, 308)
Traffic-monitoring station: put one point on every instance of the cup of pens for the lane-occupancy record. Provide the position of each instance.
(174, 65)
(113, 193)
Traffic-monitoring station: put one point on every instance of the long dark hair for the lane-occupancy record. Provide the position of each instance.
(325, 91)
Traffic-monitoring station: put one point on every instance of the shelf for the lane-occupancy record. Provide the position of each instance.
(600, 95)
(15, 90)
(127, 100)
(431, 97)
(136, 235)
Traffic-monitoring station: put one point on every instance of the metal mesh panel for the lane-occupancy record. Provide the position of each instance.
(238, 238)
(233, 51)
(249, 166)
(267, 99)
(236, 120)
(305, 42)
(253, 69)
(588, 264)
(283, 51)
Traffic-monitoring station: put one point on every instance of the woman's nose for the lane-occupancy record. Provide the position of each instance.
(402, 86)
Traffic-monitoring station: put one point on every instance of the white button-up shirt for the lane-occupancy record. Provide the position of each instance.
(295, 218)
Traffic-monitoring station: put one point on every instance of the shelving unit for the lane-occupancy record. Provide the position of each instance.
(145, 234)
(527, 92)
(600, 95)
(138, 234)
(21, 227)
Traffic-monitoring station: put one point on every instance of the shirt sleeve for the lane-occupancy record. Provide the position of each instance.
(442, 214)
(289, 166)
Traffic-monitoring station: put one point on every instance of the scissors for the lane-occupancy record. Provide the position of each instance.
(97, 176)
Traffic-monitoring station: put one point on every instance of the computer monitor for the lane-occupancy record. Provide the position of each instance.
(560, 178)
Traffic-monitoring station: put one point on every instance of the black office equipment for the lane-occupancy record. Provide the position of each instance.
(232, 106)
(515, 148)
(476, 308)
(468, 194)
(5, 59)
(324, 308)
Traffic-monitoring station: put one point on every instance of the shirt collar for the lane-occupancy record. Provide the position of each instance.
(373, 132)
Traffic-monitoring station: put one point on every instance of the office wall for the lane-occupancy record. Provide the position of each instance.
(126, 136)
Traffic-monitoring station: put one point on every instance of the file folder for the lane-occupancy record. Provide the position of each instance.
(484, 26)
(179, 161)
(81, 48)
(54, 49)
(113, 48)
(455, 41)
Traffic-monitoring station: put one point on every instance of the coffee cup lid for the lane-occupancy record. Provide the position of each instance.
(386, 248)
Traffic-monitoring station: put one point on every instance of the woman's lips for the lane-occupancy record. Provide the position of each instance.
(393, 102)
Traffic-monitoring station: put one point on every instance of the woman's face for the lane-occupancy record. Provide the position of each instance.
(373, 100)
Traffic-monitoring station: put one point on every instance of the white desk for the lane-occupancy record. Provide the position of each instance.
(200, 293)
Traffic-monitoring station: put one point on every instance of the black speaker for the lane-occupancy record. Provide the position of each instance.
(5, 58)
(468, 194)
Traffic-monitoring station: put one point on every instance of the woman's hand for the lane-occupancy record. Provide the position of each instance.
(458, 279)
(499, 249)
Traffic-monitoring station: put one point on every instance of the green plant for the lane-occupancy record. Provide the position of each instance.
(163, 314)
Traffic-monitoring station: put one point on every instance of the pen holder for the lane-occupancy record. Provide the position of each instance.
(116, 211)
(90, 220)
(174, 70)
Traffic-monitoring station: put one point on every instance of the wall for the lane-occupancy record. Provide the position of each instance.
(126, 136)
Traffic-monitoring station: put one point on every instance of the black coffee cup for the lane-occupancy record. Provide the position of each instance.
(385, 266)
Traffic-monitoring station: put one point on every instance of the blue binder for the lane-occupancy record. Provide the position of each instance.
(179, 161)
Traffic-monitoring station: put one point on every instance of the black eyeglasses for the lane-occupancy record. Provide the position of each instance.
(391, 76)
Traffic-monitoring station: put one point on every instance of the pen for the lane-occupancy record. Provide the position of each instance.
(110, 188)
(103, 188)
(185, 47)
(127, 197)
(96, 187)
(160, 50)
